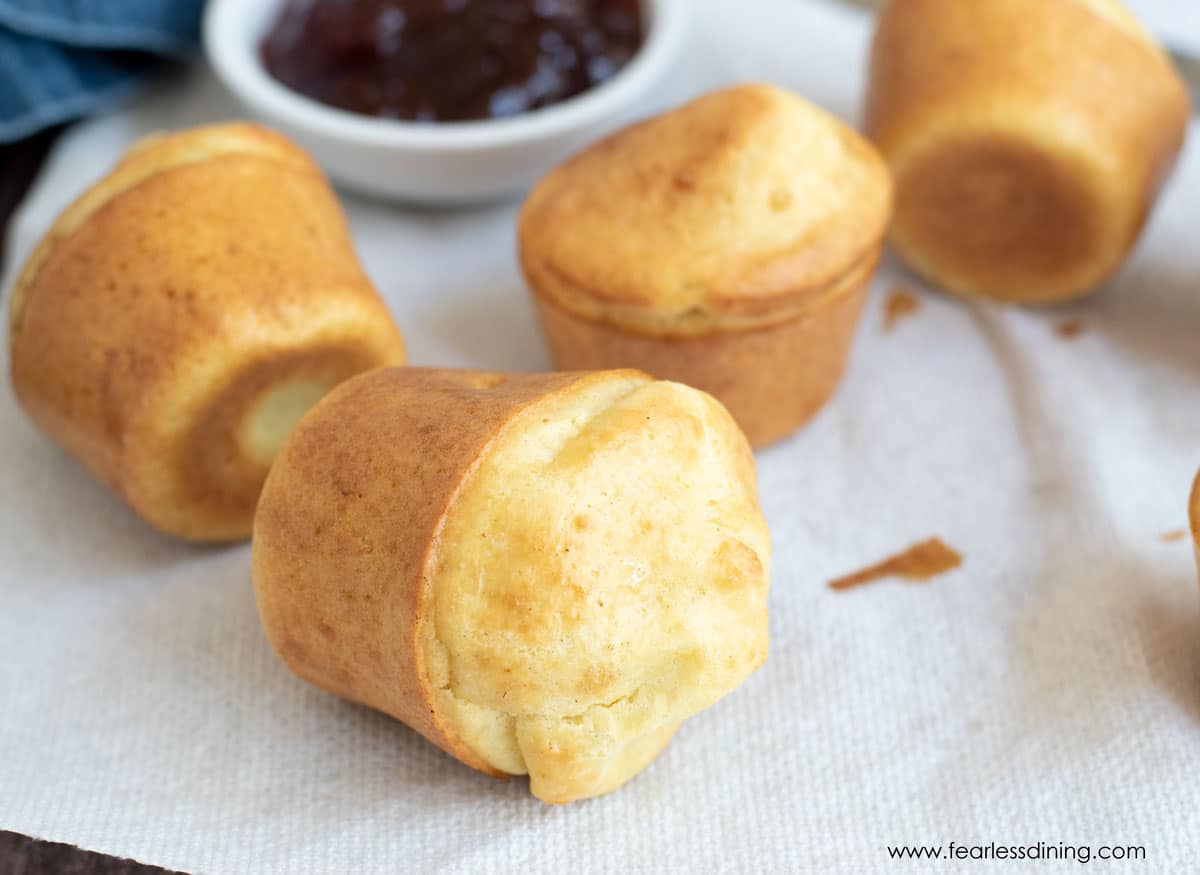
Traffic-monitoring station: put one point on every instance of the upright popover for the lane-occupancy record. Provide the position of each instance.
(1028, 139)
(182, 314)
(541, 574)
(728, 245)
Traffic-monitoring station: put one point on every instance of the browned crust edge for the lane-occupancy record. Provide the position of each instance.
(557, 285)
(768, 285)
(1194, 515)
(773, 379)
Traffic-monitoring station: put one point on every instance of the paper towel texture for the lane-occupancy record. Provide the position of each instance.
(1048, 690)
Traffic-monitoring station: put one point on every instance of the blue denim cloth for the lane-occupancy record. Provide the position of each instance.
(60, 59)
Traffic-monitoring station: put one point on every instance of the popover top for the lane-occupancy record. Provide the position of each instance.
(735, 210)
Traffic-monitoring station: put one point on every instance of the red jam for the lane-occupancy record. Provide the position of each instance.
(449, 60)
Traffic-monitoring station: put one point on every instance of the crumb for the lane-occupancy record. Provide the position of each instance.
(1173, 536)
(919, 562)
(1069, 329)
(901, 304)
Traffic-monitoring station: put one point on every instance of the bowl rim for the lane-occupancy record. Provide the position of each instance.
(232, 30)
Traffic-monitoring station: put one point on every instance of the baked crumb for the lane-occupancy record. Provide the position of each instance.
(1069, 329)
(901, 304)
(920, 562)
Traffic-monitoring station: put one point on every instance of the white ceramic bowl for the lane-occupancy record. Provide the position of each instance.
(440, 163)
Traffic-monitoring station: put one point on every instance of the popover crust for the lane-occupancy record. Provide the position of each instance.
(732, 212)
(169, 325)
(1028, 139)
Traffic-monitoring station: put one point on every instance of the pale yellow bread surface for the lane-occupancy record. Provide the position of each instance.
(1028, 139)
(734, 211)
(542, 574)
(603, 576)
(179, 317)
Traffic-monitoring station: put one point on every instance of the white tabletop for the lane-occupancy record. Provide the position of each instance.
(1048, 691)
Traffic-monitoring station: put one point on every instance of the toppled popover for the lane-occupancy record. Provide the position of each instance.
(728, 244)
(1028, 140)
(542, 574)
(182, 314)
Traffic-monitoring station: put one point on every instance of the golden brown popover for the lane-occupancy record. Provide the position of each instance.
(542, 574)
(728, 244)
(182, 314)
(1028, 139)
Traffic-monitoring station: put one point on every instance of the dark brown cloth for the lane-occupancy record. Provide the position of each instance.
(19, 166)
(22, 855)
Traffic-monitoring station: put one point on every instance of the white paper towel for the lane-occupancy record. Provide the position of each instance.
(1049, 691)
